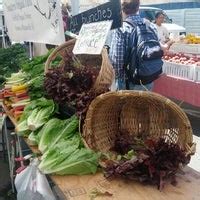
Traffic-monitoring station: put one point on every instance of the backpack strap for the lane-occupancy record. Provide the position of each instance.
(128, 71)
(131, 23)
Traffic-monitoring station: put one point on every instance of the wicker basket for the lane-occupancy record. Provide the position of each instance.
(139, 113)
(106, 73)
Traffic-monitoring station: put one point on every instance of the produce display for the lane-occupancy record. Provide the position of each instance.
(72, 84)
(34, 98)
(10, 61)
(15, 93)
(38, 118)
(58, 140)
(24, 85)
(148, 161)
(181, 58)
(191, 39)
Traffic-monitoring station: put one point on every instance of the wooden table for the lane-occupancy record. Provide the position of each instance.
(80, 187)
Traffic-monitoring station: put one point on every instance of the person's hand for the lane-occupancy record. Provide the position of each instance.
(165, 48)
(169, 43)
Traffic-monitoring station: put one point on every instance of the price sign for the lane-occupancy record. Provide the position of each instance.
(92, 38)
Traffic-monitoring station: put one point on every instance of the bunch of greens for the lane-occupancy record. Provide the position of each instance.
(69, 157)
(63, 150)
(56, 130)
(52, 132)
(35, 66)
(65, 84)
(150, 161)
(11, 59)
(35, 115)
(36, 89)
(35, 73)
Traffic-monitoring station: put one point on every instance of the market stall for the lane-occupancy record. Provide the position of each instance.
(39, 121)
(91, 142)
(182, 72)
(101, 119)
(98, 187)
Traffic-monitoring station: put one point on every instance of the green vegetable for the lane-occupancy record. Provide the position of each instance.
(41, 115)
(34, 137)
(67, 158)
(58, 153)
(10, 60)
(35, 114)
(35, 72)
(22, 127)
(36, 89)
(16, 77)
(82, 161)
(50, 131)
(55, 130)
(35, 66)
(27, 110)
(68, 131)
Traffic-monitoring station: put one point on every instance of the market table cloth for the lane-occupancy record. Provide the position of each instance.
(180, 89)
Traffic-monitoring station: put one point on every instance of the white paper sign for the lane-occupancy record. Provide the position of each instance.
(92, 38)
(34, 21)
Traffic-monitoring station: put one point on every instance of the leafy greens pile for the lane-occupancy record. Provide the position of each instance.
(63, 150)
(34, 70)
(151, 161)
(11, 59)
(35, 115)
(72, 84)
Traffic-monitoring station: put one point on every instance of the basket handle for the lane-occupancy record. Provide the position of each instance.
(56, 51)
(106, 68)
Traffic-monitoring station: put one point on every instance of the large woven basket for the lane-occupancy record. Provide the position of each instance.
(139, 113)
(106, 73)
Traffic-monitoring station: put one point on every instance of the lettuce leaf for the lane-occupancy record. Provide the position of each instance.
(56, 130)
(44, 109)
(66, 157)
(58, 153)
(49, 133)
(36, 114)
(70, 128)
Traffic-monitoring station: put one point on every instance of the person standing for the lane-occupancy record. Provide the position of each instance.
(124, 54)
(163, 34)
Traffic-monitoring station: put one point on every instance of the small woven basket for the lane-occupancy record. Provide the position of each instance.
(106, 73)
(142, 114)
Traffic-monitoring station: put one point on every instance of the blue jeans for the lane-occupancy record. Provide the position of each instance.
(121, 85)
(147, 87)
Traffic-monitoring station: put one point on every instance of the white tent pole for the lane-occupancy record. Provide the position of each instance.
(3, 37)
(75, 7)
(30, 50)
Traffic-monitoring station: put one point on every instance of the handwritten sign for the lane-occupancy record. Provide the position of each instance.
(108, 11)
(34, 21)
(92, 38)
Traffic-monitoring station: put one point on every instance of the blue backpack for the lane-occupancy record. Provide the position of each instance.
(145, 56)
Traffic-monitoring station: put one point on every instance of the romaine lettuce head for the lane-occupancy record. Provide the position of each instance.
(49, 133)
(39, 116)
(79, 162)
